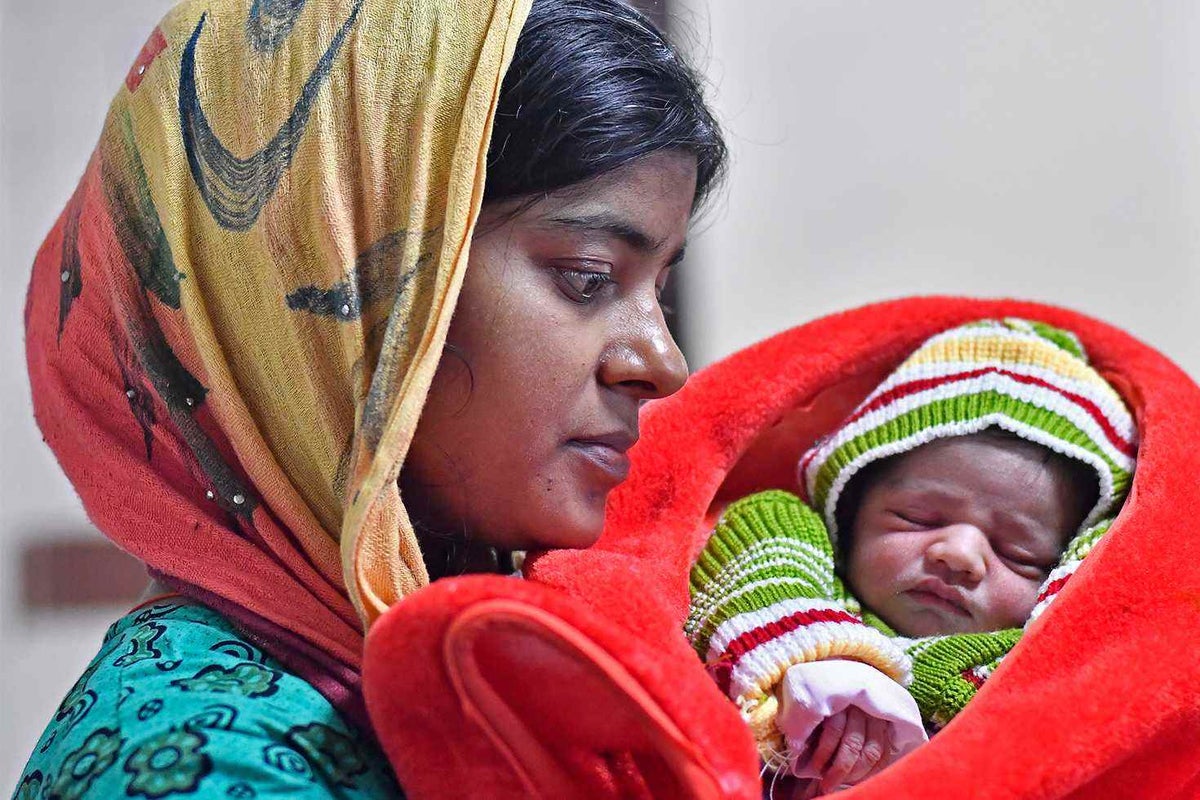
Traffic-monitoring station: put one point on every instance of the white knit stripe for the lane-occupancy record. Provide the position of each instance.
(982, 672)
(713, 595)
(1038, 609)
(926, 435)
(1000, 332)
(806, 556)
(1061, 572)
(706, 605)
(760, 668)
(696, 621)
(738, 624)
(779, 551)
(1004, 385)
(783, 553)
(1109, 404)
(1026, 325)
(1060, 370)
(934, 370)
(1088, 545)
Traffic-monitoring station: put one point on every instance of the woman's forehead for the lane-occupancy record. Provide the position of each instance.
(646, 205)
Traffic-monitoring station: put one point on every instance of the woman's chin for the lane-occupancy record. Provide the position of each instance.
(567, 539)
(569, 528)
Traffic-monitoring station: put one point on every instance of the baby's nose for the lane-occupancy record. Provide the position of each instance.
(961, 549)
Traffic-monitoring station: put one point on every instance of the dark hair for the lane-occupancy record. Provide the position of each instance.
(593, 86)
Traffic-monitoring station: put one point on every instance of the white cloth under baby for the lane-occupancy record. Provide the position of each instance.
(813, 691)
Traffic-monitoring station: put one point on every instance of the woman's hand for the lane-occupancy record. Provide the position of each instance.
(847, 748)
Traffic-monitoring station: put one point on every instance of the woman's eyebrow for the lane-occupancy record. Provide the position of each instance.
(617, 227)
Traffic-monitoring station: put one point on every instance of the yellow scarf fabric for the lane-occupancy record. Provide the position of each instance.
(261, 264)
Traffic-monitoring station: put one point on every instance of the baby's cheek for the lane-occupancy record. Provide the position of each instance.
(893, 556)
(1016, 602)
(873, 571)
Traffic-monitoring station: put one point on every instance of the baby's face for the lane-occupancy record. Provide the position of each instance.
(959, 534)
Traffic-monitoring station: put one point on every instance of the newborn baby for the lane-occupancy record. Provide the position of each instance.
(953, 503)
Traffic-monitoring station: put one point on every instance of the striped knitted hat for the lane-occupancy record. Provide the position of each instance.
(1028, 378)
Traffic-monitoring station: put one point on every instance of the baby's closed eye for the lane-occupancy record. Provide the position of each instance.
(1026, 563)
(916, 517)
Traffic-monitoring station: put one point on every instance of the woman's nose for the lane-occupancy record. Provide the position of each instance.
(961, 549)
(643, 361)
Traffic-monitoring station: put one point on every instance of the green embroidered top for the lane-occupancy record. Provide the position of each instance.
(176, 704)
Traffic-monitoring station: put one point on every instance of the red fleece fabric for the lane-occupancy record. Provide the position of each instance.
(500, 688)
(1099, 700)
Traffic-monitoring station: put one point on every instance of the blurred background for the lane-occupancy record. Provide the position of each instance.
(1047, 150)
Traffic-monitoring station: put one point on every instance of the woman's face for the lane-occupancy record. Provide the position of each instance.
(557, 339)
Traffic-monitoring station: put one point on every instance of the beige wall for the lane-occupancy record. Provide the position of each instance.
(1047, 149)
(60, 63)
(1041, 149)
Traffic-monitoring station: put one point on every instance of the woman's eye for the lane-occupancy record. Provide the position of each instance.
(582, 286)
(667, 310)
(659, 290)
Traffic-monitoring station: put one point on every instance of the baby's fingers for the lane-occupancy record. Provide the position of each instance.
(853, 738)
(875, 747)
(827, 742)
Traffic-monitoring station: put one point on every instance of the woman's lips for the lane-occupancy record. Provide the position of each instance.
(609, 460)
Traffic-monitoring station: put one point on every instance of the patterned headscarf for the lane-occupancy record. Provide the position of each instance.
(232, 328)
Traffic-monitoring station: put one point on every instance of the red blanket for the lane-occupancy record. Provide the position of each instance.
(578, 682)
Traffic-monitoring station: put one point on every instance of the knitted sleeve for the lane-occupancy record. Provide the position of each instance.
(765, 597)
(949, 670)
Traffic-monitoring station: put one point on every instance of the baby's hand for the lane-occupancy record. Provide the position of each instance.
(847, 748)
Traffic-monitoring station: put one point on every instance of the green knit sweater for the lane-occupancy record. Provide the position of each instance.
(765, 596)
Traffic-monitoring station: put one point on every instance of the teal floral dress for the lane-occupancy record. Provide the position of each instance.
(178, 705)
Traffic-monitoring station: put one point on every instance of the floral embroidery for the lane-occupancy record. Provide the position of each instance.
(83, 766)
(170, 762)
(149, 709)
(334, 753)
(200, 732)
(49, 740)
(239, 650)
(126, 693)
(79, 700)
(216, 717)
(141, 645)
(248, 680)
(77, 710)
(156, 611)
(287, 760)
(30, 787)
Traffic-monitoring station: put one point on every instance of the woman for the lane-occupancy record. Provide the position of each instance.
(245, 310)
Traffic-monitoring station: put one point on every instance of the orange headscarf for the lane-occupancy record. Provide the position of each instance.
(233, 326)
